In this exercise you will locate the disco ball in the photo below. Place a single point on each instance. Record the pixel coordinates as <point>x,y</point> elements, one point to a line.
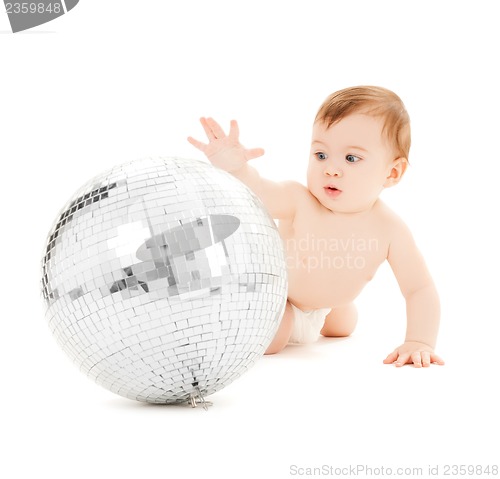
<point>164,279</point>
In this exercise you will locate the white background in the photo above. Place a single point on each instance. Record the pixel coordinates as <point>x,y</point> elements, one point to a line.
<point>117,80</point>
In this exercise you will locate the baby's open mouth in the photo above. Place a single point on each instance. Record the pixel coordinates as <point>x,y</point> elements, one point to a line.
<point>332,191</point>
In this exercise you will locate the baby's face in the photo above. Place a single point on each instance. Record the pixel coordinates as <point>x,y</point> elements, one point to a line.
<point>349,164</point>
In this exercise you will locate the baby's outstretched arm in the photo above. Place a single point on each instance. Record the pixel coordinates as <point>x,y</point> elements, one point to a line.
<point>422,301</point>
<point>227,153</point>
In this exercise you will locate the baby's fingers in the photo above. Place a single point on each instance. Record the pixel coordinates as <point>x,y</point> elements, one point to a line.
<point>253,153</point>
<point>397,357</point>
<point>391,357</point>
<point>213,130</point>
<point>234,130</point>
<point>197,144</point>
<point>436,359</point>
<point>417,359</point>
<point>402,359</point>
<point>426,359</point>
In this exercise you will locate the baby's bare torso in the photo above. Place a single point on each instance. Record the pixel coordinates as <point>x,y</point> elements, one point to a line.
<point>331,257</point>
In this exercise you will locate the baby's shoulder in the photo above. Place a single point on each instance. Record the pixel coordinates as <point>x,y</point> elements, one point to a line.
<point>387,218</point>
<point>296,188</point>
<point>299,193</point>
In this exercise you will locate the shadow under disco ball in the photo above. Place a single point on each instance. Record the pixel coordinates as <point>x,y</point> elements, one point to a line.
<point>164,279</point>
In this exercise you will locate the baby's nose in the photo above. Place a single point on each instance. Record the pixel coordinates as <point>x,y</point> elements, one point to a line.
<point>331,169</point>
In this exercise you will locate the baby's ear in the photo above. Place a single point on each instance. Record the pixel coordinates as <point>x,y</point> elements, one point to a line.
<point>396,171</point>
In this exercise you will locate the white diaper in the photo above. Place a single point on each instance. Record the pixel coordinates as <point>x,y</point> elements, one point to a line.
<point>307,324</point>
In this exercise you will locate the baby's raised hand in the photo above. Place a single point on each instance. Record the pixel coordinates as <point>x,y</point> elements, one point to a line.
<point>224,151</point>
<point>414,352</point>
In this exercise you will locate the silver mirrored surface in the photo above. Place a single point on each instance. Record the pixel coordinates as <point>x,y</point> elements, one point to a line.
<point>164,279</point>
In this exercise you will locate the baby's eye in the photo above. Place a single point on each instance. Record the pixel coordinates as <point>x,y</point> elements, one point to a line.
<point>320,155</point>
<point>352,158</point>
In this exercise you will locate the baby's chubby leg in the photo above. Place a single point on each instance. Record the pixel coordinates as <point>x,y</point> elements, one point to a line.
<point>284,332</point>
<point>340,322</point>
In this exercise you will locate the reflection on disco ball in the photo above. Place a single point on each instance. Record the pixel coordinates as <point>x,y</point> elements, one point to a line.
<point>164,279</point>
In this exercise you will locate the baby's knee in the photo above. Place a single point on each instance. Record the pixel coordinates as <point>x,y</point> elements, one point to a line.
<point>336,332</point>
<point>341,322</point>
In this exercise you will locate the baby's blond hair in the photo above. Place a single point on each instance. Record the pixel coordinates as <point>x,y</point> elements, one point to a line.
<point>371,100</point>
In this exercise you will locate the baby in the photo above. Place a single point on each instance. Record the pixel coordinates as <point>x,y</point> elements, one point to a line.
<point>337,232</point>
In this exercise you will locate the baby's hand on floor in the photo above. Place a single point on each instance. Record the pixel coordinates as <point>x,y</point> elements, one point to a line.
<point>414,352</point>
